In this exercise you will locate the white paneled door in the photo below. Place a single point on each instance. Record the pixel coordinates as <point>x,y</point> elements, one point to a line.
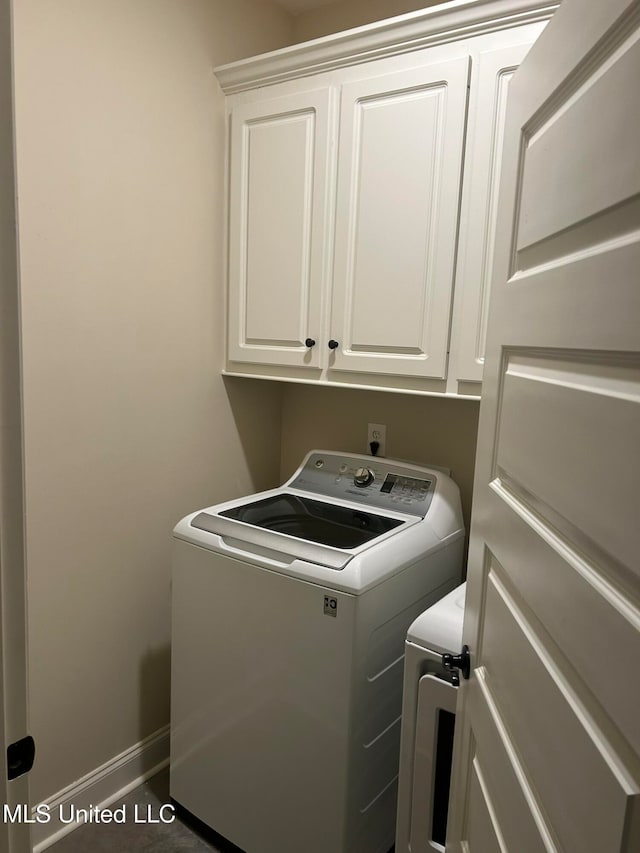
<point>548,739</point>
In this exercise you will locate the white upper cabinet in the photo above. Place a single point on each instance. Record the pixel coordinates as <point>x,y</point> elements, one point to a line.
<point>492,72</point>
<point>399,158</point>
<point>363,172</point>
<point>278,187</point>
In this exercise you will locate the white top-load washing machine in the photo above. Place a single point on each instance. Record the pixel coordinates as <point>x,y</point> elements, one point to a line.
<point>290,610</point>
<point>428,723</point>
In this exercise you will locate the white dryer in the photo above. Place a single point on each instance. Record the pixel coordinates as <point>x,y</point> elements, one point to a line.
<point>290,610</point>
<point>428,722</point>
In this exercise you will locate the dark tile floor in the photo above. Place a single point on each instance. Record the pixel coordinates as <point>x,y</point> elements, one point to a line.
<point>184,835</point>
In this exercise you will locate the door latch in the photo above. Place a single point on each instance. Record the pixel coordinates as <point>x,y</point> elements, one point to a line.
<point>20,757</point>
<point>460,662</point>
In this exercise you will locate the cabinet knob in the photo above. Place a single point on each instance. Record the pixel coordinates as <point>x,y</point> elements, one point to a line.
<point>333,344</point>
<point>309,343</point>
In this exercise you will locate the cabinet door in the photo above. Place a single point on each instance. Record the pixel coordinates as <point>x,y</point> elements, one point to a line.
<point>400,158</point>
<point>483,160</point>
<point>277,246</point>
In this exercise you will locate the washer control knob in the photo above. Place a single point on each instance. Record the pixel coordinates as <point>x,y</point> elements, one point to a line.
<point>363,477</point>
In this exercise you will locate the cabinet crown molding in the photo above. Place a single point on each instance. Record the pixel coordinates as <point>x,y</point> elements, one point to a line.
<point>447,22</point>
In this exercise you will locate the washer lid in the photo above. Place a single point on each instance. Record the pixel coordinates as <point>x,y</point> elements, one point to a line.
<point>282,523</point>
<point>440,627</point>
<point>314,521</point>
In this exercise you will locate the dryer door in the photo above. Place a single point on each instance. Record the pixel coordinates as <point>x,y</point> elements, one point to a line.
<point>435,720</point>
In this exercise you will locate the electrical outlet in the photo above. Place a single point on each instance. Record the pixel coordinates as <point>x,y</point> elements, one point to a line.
<point>377,432</point>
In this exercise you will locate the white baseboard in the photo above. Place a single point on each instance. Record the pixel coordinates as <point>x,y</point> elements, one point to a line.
<point>103,786</point>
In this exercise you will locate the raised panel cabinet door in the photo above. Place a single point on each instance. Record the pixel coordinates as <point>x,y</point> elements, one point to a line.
<point>400,158</point>
<point>483,155</point>
<point>277,222</point>
<point>547,749</point>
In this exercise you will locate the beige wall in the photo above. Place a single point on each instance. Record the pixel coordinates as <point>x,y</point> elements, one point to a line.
<point>345,14</point>
<point>423,429</point>
<point>128,424</point>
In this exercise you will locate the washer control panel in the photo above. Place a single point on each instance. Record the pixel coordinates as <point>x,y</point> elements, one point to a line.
<point>380,483</point>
